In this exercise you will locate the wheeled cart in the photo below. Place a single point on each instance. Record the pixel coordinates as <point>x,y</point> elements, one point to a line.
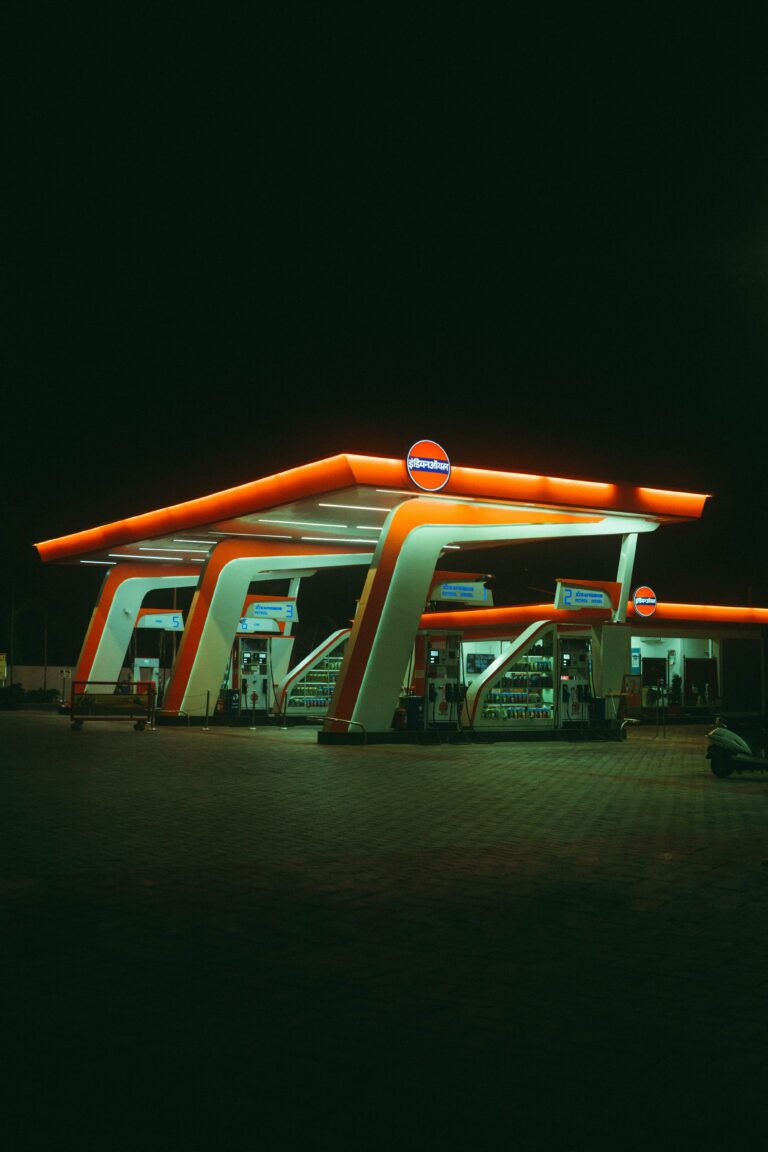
<point>106,700</point>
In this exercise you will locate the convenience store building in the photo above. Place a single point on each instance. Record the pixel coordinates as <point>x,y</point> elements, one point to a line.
<point>537,669</point>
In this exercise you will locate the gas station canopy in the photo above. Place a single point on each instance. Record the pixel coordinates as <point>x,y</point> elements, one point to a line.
<point>344,500</point>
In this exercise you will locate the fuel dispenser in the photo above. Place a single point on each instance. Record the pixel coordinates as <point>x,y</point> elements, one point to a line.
<point>146,671</point>
<point>445,691</point>
<point>262,650</point>
<point>262,663</point>
<point>575,680</point>
<point>256,673</point>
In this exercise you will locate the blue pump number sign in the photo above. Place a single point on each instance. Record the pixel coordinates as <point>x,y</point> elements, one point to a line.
<point>573,597</point>
<point>166,621</point>
<point>273,610</point>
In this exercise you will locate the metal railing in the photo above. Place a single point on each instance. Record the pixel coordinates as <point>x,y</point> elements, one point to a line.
<point>343,720</point>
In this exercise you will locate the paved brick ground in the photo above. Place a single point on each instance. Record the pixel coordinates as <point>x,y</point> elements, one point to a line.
<point>234,938</point>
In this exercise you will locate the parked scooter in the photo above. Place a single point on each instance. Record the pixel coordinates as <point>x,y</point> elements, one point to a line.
<point>728,753</point>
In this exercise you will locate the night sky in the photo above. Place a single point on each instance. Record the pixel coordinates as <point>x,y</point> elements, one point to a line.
<point>239,243</point>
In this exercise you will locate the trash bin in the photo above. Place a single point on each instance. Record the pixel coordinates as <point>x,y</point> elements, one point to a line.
<point>597,711</point>
<point>414,713</point>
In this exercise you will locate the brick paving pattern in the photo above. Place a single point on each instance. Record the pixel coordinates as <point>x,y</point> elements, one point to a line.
<point>241,938</point>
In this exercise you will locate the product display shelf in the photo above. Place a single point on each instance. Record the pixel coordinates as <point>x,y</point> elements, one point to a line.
<point>522,694</point>
<point>308,689</point>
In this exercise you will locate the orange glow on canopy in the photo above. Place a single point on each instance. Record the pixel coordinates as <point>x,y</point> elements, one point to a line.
<point>349,470</point>
<point>510,620</point>
<point>703,613</point>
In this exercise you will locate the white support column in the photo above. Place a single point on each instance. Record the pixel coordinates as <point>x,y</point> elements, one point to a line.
<point>281,648</point>
<point>624,574</point>
<point>610,657</point>
<point>121,619</point>
<point>220,624</point>
<point>382,678</point>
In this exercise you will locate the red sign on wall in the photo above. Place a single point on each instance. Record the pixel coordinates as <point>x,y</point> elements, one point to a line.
<point>644,600</point>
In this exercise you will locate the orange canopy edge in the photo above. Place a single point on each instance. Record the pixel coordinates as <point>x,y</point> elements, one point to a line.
<point>346,470</point>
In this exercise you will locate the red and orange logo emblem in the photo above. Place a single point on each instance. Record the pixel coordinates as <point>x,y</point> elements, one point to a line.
<point>428,465</point>
<point>644,600</point>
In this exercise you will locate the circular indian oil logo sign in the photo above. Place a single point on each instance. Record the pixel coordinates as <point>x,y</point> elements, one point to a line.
<point>644,600</point>
<point>428,465</point>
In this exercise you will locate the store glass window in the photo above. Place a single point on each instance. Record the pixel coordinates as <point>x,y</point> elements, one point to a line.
<point>523,694</point>
<point>311,693</point>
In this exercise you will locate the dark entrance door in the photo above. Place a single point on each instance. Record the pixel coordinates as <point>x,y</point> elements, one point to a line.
<point>699,682</point>
<point>742,674</point>
<point>654,671</point>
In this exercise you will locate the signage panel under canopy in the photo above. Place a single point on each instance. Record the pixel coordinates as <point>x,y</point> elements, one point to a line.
<point>273,610</point>
<point>463,592</point>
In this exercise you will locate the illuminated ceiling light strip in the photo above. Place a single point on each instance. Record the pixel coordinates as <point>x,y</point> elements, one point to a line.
<point>109,563</point>
<point>368,527</point>
<point>455,547</point>
<point>356,507</point>
<point>162,548</point>
<point>339,539</point>
<point>429,496</point>
<point>183,540</point>
<point>303,523</point>
<point>259,535</point>
<point>138,556</point>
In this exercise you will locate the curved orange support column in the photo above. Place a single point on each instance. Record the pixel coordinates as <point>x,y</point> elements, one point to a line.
<point>105,621</point>
<point>217,605</point>
<point>420,528</point>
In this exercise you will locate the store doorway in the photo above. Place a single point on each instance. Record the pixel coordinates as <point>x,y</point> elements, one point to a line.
<point>699,682</point>
<point>654,672</point>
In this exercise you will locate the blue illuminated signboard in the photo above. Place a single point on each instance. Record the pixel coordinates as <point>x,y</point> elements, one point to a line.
<point>573,597</point>
<point>249,625</point>
<point>465,591</point>
<point>273,610</point>
<point>167,621</point>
